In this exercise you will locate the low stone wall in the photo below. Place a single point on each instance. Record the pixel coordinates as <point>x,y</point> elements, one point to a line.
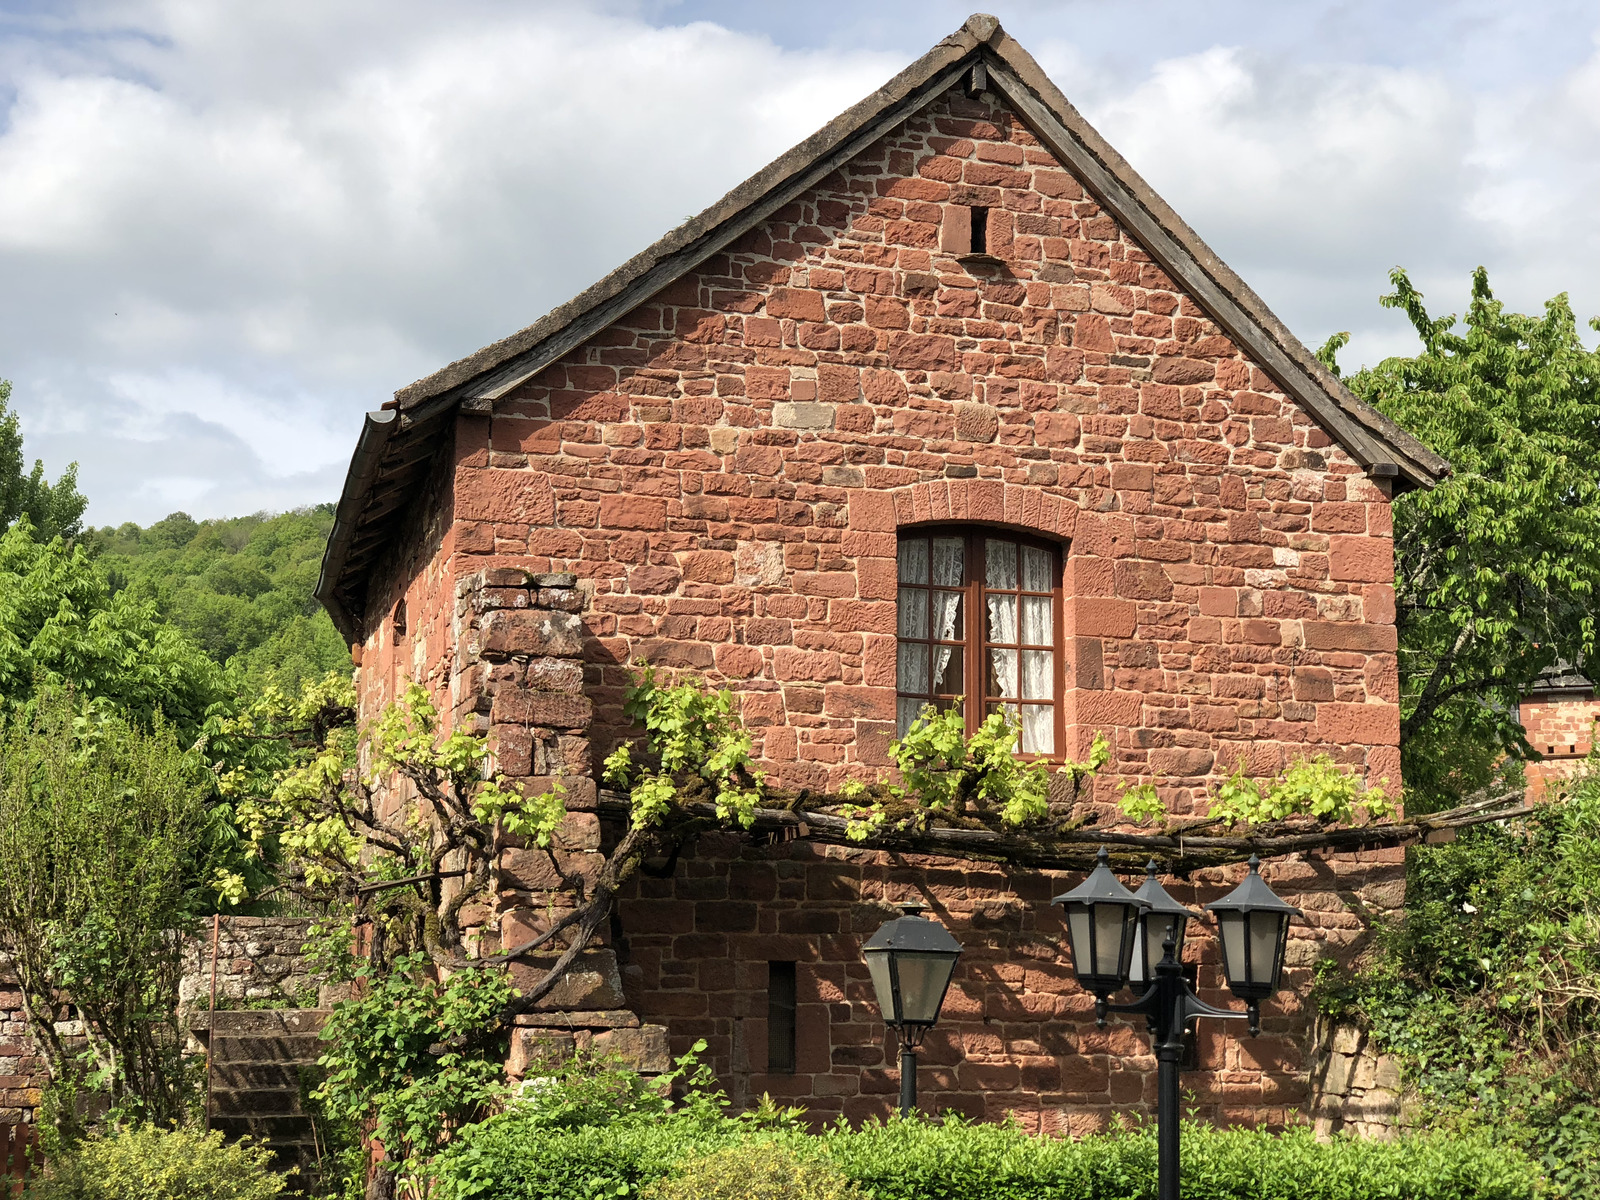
<point>20,1067</point>
<point>1354,1087</point>
<point>260,963</point>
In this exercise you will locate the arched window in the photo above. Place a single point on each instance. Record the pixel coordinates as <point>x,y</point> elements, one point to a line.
<point>980,626</point>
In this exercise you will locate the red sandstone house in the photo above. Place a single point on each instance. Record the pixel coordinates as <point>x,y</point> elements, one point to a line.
<point>944,402</point>
<point>1558,718</point>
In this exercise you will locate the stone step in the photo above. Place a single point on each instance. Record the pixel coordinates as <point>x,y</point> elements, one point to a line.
<point>279,1130</point>
<point>275,1102</point>
<point>305,1049</point>
<point>266,1022</point>
<point>245,1076</point>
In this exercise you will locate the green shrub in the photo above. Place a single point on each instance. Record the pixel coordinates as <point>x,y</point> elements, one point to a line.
<point>147,1163</point>
<point>1483,988</point>
<point>754,1171</point>
<point>587,1134</point>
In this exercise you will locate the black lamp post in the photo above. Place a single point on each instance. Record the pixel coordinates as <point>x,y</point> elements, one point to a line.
<point>1254,927</point>
<point>911,960</point>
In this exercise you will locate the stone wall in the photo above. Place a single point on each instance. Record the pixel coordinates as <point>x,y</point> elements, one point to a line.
<point>261,962</point>
<point>1354,1088</point>
<point>1017,1034</point>
<point>1560,725</point>
<point>21,1071</point>
<point>716,483</point>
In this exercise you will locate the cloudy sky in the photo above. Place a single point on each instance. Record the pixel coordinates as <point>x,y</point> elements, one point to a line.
<point>229,228</point>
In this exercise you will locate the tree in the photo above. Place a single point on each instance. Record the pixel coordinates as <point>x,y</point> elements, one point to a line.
<point>60,625</point>
<point>1496,568</point>
<point>101,867</point>
<point>53,509</point>
<point>240,588</point>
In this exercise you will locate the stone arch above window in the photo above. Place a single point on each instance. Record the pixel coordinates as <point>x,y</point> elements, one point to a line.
<point>979,627</point>
<point>988,501</point>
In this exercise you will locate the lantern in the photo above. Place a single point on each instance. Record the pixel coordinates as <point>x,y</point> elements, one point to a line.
<point>911,960</point>
<point>1162,918</point>
<point>1253,923</point>
<point>1101,925</point>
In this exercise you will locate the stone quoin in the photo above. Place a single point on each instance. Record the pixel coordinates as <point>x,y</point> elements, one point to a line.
<point>944,401</point>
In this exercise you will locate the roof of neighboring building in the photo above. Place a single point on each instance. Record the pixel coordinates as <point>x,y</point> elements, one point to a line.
<point>397,442</point>
<point>1563,677</point>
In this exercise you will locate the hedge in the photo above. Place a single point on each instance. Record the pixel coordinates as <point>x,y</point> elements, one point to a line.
<point>518,1157</point>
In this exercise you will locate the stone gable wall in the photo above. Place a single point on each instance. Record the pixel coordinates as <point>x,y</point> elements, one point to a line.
<point>725,469</point>
<point>715,484</point>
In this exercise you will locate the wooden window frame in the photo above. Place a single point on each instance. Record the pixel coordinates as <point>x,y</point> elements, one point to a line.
<point>974,641</point>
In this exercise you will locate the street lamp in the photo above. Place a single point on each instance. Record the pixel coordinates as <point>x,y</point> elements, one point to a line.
<point>1162,918</point>
<point>911,960</point>
<point>1254,927</point>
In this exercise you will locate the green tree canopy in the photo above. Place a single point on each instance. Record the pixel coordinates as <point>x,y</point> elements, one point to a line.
<point>239,588</point>
<point>1497,566</point>
<point>54,509</point>
<point>61,625</point>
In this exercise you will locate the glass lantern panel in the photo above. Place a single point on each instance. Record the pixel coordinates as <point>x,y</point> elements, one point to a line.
<point>1108,925</point>
<point>1232,929</point>
<point>1264,928</point>
<point>878,968</point>
<point>1152,953</point>
<point>1078,934</point>
<point>922,982</point>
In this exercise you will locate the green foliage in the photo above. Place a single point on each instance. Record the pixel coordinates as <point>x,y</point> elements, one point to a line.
<point>419,1056</point>
<point>1485,989</point>
<point>61,626</point>
<point>767,1170</point>
<point>1141,802</point>
<point>620,1152</point>
<point>101,861</point>
<point>695,745</point>
<point>52,509</point>
<point>147,1163</point>
<point>1497,566</point>
<point>948,774</point>
<point>1314,787</point>
<point>239,588</point>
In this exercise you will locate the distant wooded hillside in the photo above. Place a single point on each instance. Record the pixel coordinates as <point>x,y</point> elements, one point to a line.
<point>239,587</point>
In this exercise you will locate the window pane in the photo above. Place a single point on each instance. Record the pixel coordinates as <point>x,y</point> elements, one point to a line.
<point>1038,569</point>
<point>1002,619</point>
<point>949,679</point>
<point>913,606</point>
<point>949,561</point>
<point>1038,729</point>
<point>1009,709</point>
<point>947,617</point>
<point>914,561</point>
<point>1000,563</point>
<point>913,671</point>
<point>906,711</point>
<point>1038,675</point>
<point>1003,673</point>
<point>1036,621</point>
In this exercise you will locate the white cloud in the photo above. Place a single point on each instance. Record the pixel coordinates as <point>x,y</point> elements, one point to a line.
<point>226,230</point>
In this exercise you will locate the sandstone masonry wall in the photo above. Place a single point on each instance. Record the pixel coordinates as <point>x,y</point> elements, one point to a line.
<point>1560,725</point>
<point>726,468</point>
<point>716,483</point>
<point>1016,1035</point>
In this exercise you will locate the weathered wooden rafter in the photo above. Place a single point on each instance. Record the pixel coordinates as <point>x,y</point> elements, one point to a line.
<point>1179,846</point>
